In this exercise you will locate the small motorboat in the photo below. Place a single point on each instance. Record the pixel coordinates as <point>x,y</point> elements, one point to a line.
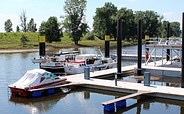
<point>94,61</point>
<point>40,60</point>
<point>35,80</point>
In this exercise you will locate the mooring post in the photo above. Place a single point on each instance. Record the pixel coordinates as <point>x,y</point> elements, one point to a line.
<point>168,35</point>
<point>86,73</point>
<point>107,40</point>
<point>119,47</point>
<point>182,66</point>
<point>116,80</point>
<point>139,69</point>
<point>146,79</point>
<point>42,46</point>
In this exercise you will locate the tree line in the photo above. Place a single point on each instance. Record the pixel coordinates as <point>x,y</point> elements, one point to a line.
<point>105,22</point>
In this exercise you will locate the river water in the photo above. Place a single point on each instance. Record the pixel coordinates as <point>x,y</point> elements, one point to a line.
<point>78,101</point>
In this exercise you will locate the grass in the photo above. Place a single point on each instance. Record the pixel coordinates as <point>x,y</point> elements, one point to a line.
<point>12,41</point>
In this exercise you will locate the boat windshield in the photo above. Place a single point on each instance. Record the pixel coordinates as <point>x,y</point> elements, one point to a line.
<point>49,75</point>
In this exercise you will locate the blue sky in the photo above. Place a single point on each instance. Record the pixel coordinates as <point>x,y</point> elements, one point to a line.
<point>41,10</point>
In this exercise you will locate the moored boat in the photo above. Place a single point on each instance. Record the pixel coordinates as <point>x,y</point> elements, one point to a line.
<point>93,61</point>
<point>35,79</point>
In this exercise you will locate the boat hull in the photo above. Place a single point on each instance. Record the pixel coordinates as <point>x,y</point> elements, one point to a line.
<point>28,92</point>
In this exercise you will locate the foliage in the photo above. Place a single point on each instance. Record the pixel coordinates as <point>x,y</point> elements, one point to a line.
<point>17,29</point>
<point>23,20</point>
<point>74,20</point>
<point>128,23</point>
<point>12,40</point>
<point>31,26</point>
<point>150,22</point>
<point>51,29</point>
<point>106,18</point>
<point>105,21</point>
<point>175,29</point>
<point>23,40</point>
<point>8,26</point>
<point>90,36</point>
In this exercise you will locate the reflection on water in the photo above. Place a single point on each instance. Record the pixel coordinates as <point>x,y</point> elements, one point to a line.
<point>88,101</point>
<point>40,104</point>
<point>79,101</point>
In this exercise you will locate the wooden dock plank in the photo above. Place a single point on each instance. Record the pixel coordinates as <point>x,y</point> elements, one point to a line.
<point>126,97</point>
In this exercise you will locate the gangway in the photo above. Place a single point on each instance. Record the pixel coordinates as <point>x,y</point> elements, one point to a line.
<point>154,47</point>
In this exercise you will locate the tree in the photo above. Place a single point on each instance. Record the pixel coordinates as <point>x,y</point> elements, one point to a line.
<point>150,21</point>
<point>23,20</point>
<point>31,26</point>
<point>8,26</point>
<point>74,19</point>
<point>105,21</point>
<point>23,40</point>
<point>128,23</point>
<point>51,29</point>
<point>17,29</point>
<point>175,29</point>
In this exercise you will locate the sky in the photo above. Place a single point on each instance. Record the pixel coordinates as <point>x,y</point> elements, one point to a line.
<point>41,10</point>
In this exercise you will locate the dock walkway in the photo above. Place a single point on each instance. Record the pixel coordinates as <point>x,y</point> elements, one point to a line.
<point>127,87</point>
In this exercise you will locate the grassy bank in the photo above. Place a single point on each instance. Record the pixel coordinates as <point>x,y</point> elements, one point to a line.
<point>13,41</point>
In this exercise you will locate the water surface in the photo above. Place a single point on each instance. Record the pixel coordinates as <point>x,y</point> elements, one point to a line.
<point>79,101</point>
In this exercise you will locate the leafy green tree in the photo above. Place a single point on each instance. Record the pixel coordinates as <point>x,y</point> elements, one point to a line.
<point>150,21</point>
<point>23,40</point>
<point>17,29</point>
<point>23,20</point>
<point>51,29</point>
<point>8,26</point>
<point>105,21</point>
<point>74,20</point>
<point>128,23</point>
<point>175,29</point>
<point>31,26</point>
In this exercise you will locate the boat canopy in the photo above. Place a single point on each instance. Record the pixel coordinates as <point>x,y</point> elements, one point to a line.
<point>31,78</point>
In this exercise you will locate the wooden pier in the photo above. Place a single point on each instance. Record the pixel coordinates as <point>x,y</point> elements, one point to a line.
<point>127,87</point>
<point>126,97</point>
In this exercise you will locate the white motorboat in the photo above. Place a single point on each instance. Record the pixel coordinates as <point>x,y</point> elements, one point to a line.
<point>94,61</point>
<point>35,79</point>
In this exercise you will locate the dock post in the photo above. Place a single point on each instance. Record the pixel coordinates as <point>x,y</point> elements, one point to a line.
<point>119,47</point>
<point>116,80</point>
<point>87,73</point>
<point>182,66</point>
<point>42,46</point>
<point>107,40</point>
<point>139,69</point>
<point>146,78</point>
<point>168,35</point>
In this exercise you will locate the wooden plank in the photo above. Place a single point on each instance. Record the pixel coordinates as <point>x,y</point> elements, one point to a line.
<point>58,86</point>
<point>126,97</point>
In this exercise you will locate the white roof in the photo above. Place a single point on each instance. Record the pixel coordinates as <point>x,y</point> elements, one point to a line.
<point>41,71</point>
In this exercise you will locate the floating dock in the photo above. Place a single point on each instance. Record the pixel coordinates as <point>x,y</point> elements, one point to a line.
<point>128,87</point>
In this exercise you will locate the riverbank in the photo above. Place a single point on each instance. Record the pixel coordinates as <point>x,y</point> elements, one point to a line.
<point>2,51</point>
